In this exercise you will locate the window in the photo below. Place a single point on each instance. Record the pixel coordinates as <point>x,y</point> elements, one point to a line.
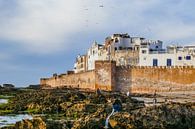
<point>188,57</point>
<point>143,51</point>
<point>155,62</point>
<point>179,58</point>
<point>116,40</point>
<point>169,62</point>
<point>156,46</point>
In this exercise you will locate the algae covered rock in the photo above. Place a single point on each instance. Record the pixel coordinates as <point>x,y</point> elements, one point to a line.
<point>178,116</point>
<point>73,109</point>
<point>36,123</point>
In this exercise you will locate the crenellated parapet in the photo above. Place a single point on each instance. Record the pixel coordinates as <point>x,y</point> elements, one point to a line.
<point>136,79</point>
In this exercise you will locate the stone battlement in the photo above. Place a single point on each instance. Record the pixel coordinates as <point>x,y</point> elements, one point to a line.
<point>136,79</point>
<point>155,67</point>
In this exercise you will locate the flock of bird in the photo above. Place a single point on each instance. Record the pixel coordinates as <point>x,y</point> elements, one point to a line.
<point>87,9</point>
<point>101,5</point>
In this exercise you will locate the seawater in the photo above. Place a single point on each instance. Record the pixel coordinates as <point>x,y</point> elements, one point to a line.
<point>12,119</point>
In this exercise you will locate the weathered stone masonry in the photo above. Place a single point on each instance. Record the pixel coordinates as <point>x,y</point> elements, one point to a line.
<point>105,75</point>
<point>79,80</point>
<point>155,79</point>
<point>108,76</point>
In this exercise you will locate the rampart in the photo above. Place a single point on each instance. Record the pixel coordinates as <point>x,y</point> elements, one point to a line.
<point>155,79</point>
<point>108,76</point>
<point>102,77</point>
<point>78,80</point>
<point>105,75</point>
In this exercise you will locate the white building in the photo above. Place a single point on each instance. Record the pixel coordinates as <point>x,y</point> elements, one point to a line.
<point>135,51</point>
<point>121,48</point>
<point>173,56</point>
<point>94,54</point>
<point>121,41</point>
<point>80,64</point>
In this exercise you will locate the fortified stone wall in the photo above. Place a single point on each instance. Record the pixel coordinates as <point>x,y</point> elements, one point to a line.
<point>105,75</point>
<point>155,79</point>
<point>108,76</point>
<point>84,80</point>
<point>123,78</point>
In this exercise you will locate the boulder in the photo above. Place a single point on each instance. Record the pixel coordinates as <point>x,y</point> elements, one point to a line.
<point>36,123</point>
<point>178,116</point>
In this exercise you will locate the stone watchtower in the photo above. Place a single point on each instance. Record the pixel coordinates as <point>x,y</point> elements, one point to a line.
<point>105,75</point>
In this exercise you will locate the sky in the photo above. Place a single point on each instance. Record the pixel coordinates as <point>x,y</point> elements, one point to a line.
<point>42,37</point>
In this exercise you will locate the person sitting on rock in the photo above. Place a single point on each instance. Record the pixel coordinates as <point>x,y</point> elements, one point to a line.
<point>98,92</point>
<point>117,105</point>
<point>155,99</point>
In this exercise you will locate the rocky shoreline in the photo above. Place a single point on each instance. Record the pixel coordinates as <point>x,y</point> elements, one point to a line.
<point>74,109</point>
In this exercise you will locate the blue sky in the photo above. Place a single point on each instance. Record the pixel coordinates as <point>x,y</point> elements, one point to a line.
<point>42,37</point>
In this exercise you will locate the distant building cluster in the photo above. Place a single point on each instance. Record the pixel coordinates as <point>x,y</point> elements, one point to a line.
<point>130,64</point>
<point>7,86</point>
<point>135,51</point>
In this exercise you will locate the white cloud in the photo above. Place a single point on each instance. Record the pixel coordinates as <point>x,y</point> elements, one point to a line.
<point>46,26</point>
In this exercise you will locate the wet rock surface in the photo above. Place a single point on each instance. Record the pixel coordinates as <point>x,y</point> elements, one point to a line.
<point>36,123</point>
<point>74,109</point>
<point>166,116</point>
